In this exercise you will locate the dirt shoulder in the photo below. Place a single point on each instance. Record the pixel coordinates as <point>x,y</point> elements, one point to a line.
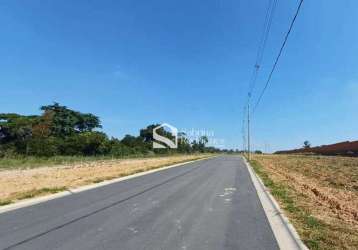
<point>27,183</point>
<point>319,195</point>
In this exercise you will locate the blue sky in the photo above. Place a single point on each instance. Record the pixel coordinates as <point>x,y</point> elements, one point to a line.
<point>187,63</point>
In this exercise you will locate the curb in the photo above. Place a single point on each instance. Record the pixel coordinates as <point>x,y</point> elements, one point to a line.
<point>71,191</point>
<point>286,235</point>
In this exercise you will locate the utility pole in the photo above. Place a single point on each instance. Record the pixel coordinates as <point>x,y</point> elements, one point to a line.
<point>248,131</point>
<point>244,132</point>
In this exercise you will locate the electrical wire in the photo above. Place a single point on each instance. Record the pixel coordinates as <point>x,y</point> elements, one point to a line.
<point>262,44</point>
<point>278,56</point>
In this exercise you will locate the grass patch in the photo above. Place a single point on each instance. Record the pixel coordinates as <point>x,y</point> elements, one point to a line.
<point>5,202</point>
<point>98,180</point>
<point>312,231</point>
<point>39,192</point>
<point>31,194</point>
<point>29,162</point>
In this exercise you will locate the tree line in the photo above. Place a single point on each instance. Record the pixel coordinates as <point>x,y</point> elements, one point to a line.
<point>59,130</point>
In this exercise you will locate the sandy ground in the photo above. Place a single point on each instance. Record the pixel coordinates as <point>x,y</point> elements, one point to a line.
<point>19,184</point>
<point>327,187</point>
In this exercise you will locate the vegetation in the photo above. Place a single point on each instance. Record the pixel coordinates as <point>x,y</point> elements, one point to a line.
<point>346,148</point>
<point>306,144</point>
<point>78,152</point>
<point>60,131</point>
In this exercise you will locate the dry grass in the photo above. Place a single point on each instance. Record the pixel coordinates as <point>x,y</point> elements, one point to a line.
<point>319,195</point>
<point>27,183</point>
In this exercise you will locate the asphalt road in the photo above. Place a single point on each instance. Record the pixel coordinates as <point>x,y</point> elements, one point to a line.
<point>209,204</point>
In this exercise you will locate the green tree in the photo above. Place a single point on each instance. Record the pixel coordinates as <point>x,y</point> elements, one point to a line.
<point>16,130</point>
<point>43,146</point>
<point>66,122</point>
<point>306,144</point>
<point>147,133</point>
<point>183,143</point>
<point>203,140</point>
<point>87,143</point>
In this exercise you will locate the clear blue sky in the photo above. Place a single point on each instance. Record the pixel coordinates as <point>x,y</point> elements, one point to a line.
<point>185,62</point>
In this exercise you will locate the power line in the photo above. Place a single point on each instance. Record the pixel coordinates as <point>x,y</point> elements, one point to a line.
<point>259,56</point>
<point>279,55</point>
<point>262,44</point>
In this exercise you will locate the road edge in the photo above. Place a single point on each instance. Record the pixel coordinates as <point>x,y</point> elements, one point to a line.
<point>285,234</point>
<point>37,200</point>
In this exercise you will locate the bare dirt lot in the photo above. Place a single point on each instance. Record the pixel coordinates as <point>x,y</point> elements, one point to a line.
<point>27,183</point>
<point>320,196</point>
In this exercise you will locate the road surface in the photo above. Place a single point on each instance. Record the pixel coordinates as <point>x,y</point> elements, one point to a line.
<point>209,204</point>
